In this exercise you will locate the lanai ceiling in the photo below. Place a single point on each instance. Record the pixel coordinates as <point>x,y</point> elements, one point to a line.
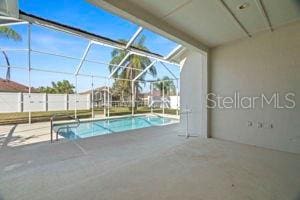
<point>206,23</point>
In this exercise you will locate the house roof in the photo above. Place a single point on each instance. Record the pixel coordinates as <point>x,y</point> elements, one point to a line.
<point>154,93</point>
<point>12,86</point>
<point>103,88</point>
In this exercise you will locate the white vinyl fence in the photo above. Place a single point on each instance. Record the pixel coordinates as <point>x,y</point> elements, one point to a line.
<point>21,102</point>
<point>169,102</point>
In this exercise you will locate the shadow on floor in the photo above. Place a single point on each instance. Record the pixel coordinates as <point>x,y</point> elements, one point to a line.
<point>5,140</point>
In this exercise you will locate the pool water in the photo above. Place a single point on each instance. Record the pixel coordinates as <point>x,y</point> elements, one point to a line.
<point>108,126</point>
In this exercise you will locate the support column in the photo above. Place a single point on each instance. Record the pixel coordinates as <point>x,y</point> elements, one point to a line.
<point>193,92</point>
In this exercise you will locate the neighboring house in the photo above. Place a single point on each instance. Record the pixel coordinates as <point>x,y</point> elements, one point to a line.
<point>99,95</point>
<point>145,98</point>
<point>12,86</point>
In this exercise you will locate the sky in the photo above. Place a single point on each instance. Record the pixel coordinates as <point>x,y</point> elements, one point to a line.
<point>82,15</point>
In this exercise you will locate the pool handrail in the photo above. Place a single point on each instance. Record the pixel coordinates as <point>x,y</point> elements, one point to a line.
<point>52,118</point>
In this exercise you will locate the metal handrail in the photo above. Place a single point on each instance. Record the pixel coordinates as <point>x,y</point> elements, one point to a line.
<point>51,124</point>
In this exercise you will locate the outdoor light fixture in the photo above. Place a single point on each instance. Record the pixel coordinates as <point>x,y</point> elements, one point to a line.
<point>243,6</point>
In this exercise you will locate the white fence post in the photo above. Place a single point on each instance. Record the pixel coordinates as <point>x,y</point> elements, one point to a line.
<point>46,102</point>
<point>66,102</point>
<point>20,102</point>
<point>88,102</point>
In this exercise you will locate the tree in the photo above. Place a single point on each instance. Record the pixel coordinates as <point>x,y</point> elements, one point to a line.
<point>120,90</point>
<point>133,66</point>
<point>9,33</point>
<point>60,87</point>
<point>165,85</point>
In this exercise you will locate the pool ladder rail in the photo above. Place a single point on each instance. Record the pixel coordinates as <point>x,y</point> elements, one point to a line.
<point>52,118</point>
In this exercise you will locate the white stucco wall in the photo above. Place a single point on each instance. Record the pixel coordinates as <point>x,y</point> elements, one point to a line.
<point>193,90</point>
<point>266,63</point>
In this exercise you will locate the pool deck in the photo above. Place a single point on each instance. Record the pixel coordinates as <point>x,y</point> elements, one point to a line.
<point>24,134</point>
<point>150,163</point>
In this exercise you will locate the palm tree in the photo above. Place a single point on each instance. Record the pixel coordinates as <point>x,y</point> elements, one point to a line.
<point>64,87</point>
<point>60,87</point>
<point>165,85</point>
<point>10,34</point>
<point>133,66</point>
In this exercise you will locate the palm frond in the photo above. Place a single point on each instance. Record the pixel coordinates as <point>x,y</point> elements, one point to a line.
<point>9,33</point>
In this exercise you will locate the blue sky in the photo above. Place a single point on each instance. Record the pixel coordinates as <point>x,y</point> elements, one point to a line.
<point>80,14</point>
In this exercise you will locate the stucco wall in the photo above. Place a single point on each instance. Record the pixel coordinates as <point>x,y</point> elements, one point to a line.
<point>193,89</point>
<point>266,63</point>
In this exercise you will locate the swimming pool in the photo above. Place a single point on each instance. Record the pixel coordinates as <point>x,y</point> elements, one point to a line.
<point>108,126</point>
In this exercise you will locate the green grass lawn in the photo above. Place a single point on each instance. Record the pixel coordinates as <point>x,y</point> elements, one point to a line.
<point>19,118</point>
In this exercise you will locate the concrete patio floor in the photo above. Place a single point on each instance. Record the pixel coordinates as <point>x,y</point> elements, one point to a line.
<point>152,163</point>
<point>24,134</point>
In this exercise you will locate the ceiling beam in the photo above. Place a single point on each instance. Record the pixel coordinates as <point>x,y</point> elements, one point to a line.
<point>234,18</point>
<point>264,13</point>
<point>144,18</point>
